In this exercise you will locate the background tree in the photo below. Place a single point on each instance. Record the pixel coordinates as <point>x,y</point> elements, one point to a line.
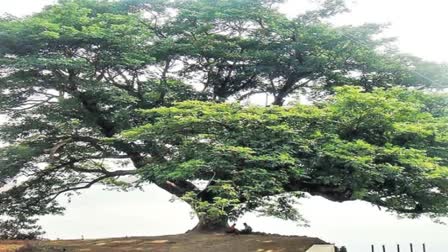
<point>77,74</point>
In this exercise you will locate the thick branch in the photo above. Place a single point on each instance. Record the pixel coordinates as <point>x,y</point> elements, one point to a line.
<point>288,87</point>
<point>332,193</point>
<point>178,188</point>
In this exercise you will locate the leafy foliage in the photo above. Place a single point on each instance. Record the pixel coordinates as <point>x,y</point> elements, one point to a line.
<point>20,229</point>
<point>387,147</point>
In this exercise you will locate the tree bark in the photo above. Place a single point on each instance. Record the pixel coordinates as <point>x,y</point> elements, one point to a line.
<point>279,100</point>
<point>333,193</point>
<point>206,226</point>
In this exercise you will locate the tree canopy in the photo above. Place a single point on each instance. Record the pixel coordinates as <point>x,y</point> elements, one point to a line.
<point>88,82</point>
<point>387,147</point>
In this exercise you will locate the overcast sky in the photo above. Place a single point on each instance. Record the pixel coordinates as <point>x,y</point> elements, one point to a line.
<point>419,25</point>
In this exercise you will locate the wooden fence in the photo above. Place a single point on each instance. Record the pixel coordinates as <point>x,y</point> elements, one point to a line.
<point>411,248</point>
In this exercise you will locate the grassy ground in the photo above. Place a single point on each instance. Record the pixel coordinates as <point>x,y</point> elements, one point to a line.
<point>174,243</point>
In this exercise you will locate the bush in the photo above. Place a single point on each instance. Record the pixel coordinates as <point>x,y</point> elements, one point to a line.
<point>20,228</point>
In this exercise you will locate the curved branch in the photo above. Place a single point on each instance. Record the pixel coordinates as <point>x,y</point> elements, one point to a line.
<point>88,185</point>
<point>333,193</point>
<point>178,188</point>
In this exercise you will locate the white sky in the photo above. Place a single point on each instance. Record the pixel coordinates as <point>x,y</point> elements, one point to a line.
<point>419,25</point>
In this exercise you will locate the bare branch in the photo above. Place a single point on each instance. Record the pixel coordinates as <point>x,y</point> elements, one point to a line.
<point>55,195</point>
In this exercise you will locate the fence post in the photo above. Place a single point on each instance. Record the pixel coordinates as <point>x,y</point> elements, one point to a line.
<point>424,247</point>
<point>384,248</point>
<point>412,248</point>
<point>398,247</point>
<point>373,248</point>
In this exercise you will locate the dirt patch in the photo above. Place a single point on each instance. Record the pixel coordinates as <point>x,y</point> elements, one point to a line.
<point>180,243</point>
<point>9,247</point>
<point>12,246</point>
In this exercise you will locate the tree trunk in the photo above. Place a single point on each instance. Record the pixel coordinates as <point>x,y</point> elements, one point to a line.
<point>206,226</point>
<point>279,100</point>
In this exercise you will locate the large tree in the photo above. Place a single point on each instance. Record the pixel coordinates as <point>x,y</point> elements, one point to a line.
<point>77,74</point>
